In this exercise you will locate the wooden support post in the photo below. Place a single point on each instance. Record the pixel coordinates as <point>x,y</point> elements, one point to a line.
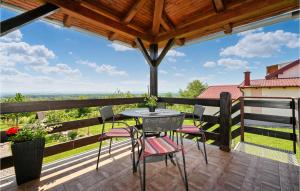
<point>242,119</point>
<point>154,60</point>
<point>14,23</point>
<point>153,69</point>
<point>298,122</point>
<point>225,121</point>
<point>294,124</point>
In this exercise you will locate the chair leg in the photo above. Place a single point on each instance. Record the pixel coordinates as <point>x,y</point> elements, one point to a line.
<point>133,155</point>
<point>198,144</point>
<point>109,145</point>
<point>177,138</point>
<point>144,174</point>
<point>166,160</point>
<point>185,174</point>
<point>99,155</point>
<point>204,140</point>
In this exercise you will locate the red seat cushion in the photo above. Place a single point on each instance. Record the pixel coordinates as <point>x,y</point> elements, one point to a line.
<point>115,132</point>
<point>189,129</point>
<point>160,146</point>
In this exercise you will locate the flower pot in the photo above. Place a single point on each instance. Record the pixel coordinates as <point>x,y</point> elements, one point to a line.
<point>151,109</point>
<point>28,159</point>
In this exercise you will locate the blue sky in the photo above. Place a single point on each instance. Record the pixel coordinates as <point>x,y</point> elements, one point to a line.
<point>44,58</point>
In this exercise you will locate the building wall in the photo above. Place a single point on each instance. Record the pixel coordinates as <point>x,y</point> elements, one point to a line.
<point>272,92</point>
<point>293,72</point>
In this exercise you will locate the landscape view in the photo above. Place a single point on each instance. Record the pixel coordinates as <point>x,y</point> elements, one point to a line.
<point>48,66</point>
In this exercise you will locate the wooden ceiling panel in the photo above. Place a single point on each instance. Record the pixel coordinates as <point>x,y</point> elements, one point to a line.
<point>185,20</point>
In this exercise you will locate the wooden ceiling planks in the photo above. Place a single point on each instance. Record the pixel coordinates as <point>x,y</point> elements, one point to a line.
<point>156,21</point>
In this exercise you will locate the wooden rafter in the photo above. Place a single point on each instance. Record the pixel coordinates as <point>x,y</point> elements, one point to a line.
<point>14,23</point>
<point>244,12</point>
<point>166,22</point>
<point>158,9</point>
<point>228,28</point>
<point>67,21</point>
<point>129,16</point>
<point>75,9</point>
<point>133,11</point>
<point>219,5</point>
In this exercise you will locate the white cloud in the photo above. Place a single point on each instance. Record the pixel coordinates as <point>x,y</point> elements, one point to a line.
<point>14,52</point>
<point>58,69</point>
<point>175,53</point>
<point>104,68</point>
<point>178,74</point>
<point>262,44</point>
<point>120,47</point>
<point>14,36</point>
<point>209,64</point>
<point>162,72</point>
<point>171,59</point>
<point>232,64</point>
<point>70,52</point>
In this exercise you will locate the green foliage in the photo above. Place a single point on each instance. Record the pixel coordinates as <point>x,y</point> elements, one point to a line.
<point>151,101</point>
<point>193,89</point>
<point>72,135</point>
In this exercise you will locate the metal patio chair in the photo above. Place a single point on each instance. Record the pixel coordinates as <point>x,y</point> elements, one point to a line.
<point>160,145</point>
<point>108,116</point>
<point>196,128</point>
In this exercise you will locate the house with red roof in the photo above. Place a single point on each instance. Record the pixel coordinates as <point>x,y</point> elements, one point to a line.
<point>281,80</point>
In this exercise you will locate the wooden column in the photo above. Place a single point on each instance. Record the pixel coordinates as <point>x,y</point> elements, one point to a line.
<point>16,22</point>
<point>154,60</point>
<point>242,119</point>
<point>225,121</point>
<point>153,69</point>
<point>298,121</point>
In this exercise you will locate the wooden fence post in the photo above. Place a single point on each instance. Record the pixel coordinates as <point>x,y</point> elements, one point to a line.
<point>242,110</point>
<point>225,121</point>
<point>298,121</point>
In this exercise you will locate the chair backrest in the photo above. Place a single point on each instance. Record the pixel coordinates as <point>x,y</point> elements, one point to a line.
<point>199,111</point>
<point>163,124</point>
<point>106,112</point>
<point>161,105</point>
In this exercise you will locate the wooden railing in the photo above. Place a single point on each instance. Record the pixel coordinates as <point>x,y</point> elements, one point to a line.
<point>37,106</point>
<point>286,103</point>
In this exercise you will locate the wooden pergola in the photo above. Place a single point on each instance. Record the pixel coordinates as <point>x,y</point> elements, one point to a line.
<point>151,24</point>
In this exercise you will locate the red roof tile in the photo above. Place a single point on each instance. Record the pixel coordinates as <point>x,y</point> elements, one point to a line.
<point>213,92</point>
<point>288,82</point>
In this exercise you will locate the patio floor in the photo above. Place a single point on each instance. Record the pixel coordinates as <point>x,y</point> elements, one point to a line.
<point>225,171</point>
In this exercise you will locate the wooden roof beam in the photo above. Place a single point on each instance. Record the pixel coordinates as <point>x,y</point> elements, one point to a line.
<point>228,28</point>
<point>180,41</point>
<point>166,22</point>
<point>75,9</point>
<point>158,9</point>
<point>67,21</point>
<point>245,12</point>
<point>16,22</point>
<point>133,11</point>
<point>129,16</point>
<point>219,5</point>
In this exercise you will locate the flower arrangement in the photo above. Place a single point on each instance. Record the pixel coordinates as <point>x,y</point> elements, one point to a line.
<point>30,132</point>
<point>151,101</point>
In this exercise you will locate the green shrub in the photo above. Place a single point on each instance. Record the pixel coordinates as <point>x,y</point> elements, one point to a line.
<point>72,134</point>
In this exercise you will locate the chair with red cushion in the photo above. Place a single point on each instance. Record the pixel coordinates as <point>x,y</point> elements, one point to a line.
<point>108,116</point>
<point>196,128</point>
<point>160,146</point>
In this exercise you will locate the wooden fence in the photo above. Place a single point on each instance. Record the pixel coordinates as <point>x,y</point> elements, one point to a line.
<point>224,103</point>
<point>286,103</point>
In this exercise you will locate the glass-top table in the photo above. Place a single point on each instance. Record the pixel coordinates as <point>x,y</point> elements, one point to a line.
<point>144,112</point>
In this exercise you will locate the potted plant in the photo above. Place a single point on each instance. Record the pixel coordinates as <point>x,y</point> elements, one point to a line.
<point>151,102</point>
<point>27,147</point>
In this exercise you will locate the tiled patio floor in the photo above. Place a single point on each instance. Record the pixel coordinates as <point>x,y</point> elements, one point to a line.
<point>225,171</point>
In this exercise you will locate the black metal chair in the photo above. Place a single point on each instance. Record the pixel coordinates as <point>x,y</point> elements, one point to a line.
<point>196,128</point>
<point>108,116</point>
<point>161,145</point>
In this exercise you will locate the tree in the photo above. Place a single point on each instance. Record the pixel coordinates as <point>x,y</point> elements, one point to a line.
<point>15,116</point>
<point>193,89</point>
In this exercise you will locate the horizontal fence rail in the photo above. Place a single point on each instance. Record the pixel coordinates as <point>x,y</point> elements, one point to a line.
<point>286,103</point>
<point>187,101</point>
<point>65,104</point>
<point>36,106</point>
